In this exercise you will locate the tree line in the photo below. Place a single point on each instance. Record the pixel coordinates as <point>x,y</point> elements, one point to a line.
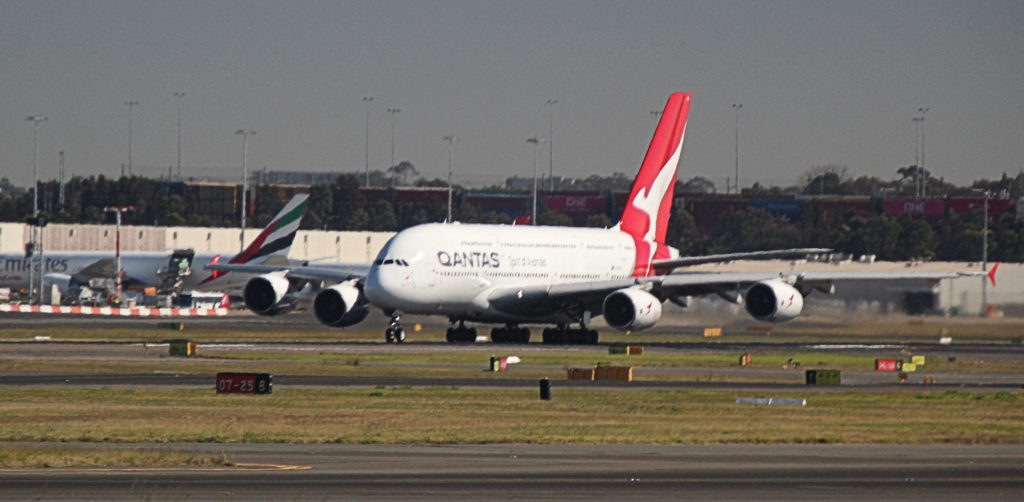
<point>340,205</point>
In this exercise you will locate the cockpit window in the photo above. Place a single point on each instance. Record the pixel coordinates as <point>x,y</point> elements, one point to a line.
<point>391,261</point>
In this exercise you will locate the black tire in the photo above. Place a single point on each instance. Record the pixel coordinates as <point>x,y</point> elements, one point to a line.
<point>400,335</point>
<point>389,335</point>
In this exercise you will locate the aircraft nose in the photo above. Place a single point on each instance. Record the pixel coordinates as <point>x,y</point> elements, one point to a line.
<point>381,287</point>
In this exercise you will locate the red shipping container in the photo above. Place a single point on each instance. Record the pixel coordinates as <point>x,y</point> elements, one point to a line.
<point>584,203</point>
<point>995,206</point>
<point>914,207</point>
<point>833,208</point>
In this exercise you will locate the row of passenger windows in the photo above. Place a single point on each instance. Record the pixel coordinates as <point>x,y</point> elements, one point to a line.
<point>579,276</point>
<point>473,273</point>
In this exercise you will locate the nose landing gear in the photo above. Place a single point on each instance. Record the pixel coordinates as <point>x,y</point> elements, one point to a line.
<point>395,332</point>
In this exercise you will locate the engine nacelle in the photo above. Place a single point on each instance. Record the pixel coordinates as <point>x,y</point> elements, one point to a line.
<point>341,305</point>
<point>631,309</point>
<point>268,294</point>
<point>773,301</point>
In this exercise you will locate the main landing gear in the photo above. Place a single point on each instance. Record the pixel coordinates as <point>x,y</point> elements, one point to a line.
<point>460,333</point>
<point>563,335</point>
<point>513,333</point>
<point>395,331</point>
<point>510,334</point>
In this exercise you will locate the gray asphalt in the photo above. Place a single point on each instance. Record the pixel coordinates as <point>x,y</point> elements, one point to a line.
<point>533,472</point>
<point>543,472</point>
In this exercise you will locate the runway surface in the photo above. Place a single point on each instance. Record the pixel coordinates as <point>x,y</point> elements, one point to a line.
<point>542,472</point>
<point>529,472</point>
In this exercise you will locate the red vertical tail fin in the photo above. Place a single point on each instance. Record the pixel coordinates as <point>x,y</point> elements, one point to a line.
<point>649,206</point>
<point>992,274</point>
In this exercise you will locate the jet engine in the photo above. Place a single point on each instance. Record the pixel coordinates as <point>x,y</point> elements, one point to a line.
<point>268,294</point>
<point>631,309</point>
<point>773,300</point>
<point>341,305</point>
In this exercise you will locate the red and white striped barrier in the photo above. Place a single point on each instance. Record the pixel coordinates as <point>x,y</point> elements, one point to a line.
<point>113,311</point>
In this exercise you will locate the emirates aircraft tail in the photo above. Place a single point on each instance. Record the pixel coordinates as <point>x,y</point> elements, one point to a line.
<point>275,239</point>
<point>649,206</point>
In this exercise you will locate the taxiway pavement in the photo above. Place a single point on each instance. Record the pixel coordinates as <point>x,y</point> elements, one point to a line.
<point>547,472</point>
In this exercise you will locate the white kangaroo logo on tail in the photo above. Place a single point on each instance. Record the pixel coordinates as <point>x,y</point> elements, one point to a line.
<point>645,217</point>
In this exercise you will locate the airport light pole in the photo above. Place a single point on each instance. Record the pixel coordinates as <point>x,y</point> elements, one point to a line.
<point>984,259</point>
<point>130,105</point>
<point>924,175</point>
<point>60,174</point>
<point>736,181</point>
<point>393,112</point>
<point>245,133</point>
<point>367,100</point>
<point>916,156</point>
<point>179,95</point>
<point>551,144</point>
<point>36,119</point>
<point>451,139</point>
<point>535,141</point>
<point>117,247</point>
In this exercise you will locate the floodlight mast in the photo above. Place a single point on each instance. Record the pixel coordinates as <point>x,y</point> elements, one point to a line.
<point>117,247</point>
<point>36,119</point>
<point>245,133</point>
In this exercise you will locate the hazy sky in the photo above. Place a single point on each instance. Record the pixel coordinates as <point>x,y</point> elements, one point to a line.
<point>820,83</point>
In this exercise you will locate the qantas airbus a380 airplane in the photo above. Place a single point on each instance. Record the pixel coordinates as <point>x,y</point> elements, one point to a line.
<point>514,275</point>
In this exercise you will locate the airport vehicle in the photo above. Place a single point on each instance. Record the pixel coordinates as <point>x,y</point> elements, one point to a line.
<point>169,271</point>
<point>513,275</point>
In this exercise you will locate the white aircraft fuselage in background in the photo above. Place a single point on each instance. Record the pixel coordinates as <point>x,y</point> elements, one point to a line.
<point>143,268</point>
<point>140,266</point>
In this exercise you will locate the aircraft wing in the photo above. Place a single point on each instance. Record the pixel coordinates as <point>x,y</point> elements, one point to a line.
<point>685,261</point>
<point>590,295</point>
<point>103,267</point>
<point>334,272</point>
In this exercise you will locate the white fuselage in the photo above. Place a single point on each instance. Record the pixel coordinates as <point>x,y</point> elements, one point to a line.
<point>450,269</point>
<point>139,267</point>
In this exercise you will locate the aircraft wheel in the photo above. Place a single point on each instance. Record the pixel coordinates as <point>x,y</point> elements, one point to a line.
<point>400,335</point>
<point>389,335</point>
